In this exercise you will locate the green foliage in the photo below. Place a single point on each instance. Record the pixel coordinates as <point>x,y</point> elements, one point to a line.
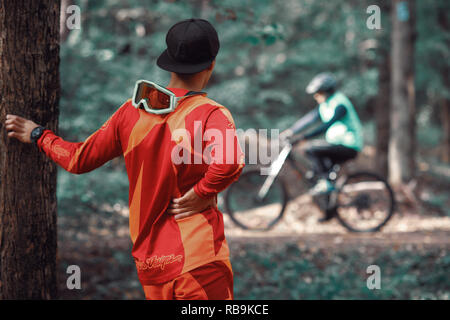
<point>269,52</point>
<point>288,272</point>
<point>432,49</point>
<point>90,192</point>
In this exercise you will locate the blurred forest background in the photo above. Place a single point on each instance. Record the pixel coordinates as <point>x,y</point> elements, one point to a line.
<point>269,52</point>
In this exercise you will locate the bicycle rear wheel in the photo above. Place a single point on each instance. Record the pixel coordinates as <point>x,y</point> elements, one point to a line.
<point>364,202</point>
<point>247,209</point>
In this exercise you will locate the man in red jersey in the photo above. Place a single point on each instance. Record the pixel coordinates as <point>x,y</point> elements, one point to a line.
<point>177,231</point>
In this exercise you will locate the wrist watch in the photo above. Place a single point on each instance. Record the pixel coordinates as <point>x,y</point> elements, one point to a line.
<point>36,134</point>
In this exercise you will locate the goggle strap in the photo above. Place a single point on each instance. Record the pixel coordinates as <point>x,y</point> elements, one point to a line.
<point>192,93</point>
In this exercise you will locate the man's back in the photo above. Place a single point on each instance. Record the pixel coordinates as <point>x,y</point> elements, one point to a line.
<point>348,130</point>
<point>152,145</point>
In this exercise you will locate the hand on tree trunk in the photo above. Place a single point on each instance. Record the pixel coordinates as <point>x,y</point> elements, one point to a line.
<point>19,128</point>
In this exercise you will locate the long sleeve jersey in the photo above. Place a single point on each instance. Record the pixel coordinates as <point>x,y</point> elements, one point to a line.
<point>165,155</point>
<point>314,116</point>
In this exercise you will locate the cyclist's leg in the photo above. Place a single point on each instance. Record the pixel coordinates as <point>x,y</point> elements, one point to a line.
<point>330,154</point>
<point>339,154</point>
<point>325,155</point>
<point>317,151</point>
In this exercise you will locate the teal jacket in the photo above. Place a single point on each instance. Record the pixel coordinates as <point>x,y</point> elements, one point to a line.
<point>346,131</point>
<point>340,122</point>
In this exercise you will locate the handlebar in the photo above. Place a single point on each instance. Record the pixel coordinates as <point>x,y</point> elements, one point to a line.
<point>295,139</point>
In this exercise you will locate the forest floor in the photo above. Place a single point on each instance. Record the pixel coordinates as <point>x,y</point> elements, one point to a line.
<point>297,250</point>
<point>297,259</point>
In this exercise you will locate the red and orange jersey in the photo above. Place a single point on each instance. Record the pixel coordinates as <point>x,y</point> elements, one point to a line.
<point>164,247</point>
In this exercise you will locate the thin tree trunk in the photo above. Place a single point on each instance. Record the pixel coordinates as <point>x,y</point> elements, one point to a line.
<point>446,128</point>
<point>411,89</point>
<point>445,120</point>
<point>29,87</point>
<point>205,9</point>
<point>64,31</point>
<point>383,103</point>
<point>382,110</point>
<point>402,141</point>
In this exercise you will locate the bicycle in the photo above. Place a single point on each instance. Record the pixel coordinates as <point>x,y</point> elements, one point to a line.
<point>362,201</point>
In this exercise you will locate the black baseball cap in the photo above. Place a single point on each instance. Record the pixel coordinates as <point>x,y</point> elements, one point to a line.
<point>192,45</point>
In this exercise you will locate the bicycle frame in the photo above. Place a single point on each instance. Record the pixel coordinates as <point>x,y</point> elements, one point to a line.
<point>275,168</point>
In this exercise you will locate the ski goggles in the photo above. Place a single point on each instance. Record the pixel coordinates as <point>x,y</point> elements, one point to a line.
<point>156,99</point>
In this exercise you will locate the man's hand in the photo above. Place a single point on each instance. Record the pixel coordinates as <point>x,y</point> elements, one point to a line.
<point>189,204</point>
<point>19,128</point>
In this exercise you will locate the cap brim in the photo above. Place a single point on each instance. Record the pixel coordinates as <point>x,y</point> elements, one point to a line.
<point>165,62</point>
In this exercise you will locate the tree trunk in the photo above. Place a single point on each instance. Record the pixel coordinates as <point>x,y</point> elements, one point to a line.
<point>383,103</point>
<point>446,128</point>
<point>29,87</point>
<point>64,31</point>
<point>411,89</point>
<point>382,110</point>
<point>402,139</point>
<point>445,119</point>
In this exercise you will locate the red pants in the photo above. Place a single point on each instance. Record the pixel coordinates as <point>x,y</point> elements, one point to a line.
<point>212,281</point>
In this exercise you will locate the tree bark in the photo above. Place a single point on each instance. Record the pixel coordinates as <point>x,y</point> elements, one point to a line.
<point>411,89</point>
<point>446,128</point>
<point>63,30</point>
<point>382,111</point>
<point>29,87</point>
<point>445,119</point>
<point>402,138</point>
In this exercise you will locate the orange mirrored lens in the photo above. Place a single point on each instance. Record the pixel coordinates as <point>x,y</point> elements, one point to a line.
<point>155,98</point>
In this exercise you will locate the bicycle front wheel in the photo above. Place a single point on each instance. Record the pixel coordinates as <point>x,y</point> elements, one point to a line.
<point>247,209</point>
<point>364,202</point>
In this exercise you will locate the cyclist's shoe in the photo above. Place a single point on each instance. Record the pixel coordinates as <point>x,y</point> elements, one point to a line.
<point>329,214</point>
<point>323,186</point>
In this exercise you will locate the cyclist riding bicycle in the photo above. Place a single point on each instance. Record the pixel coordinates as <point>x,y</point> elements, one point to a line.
<point>340,124</point>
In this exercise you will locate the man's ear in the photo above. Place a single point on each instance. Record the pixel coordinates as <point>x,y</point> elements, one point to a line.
<point>212,65</point>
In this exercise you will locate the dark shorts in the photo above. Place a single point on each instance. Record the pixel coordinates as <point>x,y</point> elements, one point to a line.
<point>325,155</point>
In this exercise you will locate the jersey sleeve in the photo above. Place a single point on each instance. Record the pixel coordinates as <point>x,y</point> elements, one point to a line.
<point>306,121</point>
<point>339,113</point>
<point>80,157</point>
<point>227,158</point>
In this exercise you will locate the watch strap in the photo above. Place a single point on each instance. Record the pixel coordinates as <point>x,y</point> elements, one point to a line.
<point>36,133</point>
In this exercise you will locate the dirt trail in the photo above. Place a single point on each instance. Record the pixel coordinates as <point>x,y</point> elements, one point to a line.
<point>302,226</point>
<point>299,224</point>
<point>350,241</point>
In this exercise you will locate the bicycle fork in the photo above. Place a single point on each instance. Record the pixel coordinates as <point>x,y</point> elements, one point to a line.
<point>273,171</point>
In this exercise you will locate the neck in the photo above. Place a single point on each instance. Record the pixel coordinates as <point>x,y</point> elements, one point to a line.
<point>194,84</point>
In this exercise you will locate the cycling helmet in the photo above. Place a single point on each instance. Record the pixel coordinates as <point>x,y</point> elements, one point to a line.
<point>322,82</point>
